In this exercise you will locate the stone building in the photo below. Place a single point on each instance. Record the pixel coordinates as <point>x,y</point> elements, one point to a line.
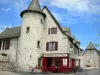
<point>91,57</point>
<point>39,42</point>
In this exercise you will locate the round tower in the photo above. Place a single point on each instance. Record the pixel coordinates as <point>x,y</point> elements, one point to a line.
<point>31,36</point>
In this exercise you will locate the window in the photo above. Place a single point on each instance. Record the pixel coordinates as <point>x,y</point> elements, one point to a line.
<point>27,29</point>
<point>4,54</point>
<point>42,21</point>
<point>57,62</point>
<point>49,31</point>
<point>39,63</point>
<point>6,44</point>
<point>52,30</point>
<point>0,44</point>
<point>38,44</point>
<point>3,44</point>
<point>52,46</point>
<point>88,66</point>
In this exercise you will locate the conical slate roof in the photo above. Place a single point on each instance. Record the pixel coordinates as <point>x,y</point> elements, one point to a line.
<point>90,46</point>
<point>34,5</point>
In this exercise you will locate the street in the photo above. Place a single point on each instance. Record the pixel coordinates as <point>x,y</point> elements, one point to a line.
<point>85,72</point>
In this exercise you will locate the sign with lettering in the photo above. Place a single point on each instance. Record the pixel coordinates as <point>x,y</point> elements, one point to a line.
<point>64,62</point>
<point>56,55</point>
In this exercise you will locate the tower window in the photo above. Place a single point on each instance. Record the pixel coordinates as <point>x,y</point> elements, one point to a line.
<point>38,44</point>
<point>42,21</point>
<point>27,29</point>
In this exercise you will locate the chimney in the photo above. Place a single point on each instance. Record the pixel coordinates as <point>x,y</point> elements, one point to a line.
<point>78,43</point>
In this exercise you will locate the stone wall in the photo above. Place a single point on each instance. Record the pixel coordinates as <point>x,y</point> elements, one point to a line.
<point>29,53</point>
<point>91,58</point>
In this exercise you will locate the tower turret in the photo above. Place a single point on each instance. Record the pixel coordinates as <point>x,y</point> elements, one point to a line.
<point>33,7</point>
<point>31,35</point>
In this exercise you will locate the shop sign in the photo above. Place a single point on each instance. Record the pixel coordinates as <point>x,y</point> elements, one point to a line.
<point>64,62</point>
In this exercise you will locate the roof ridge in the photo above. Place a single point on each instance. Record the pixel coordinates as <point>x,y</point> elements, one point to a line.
<point>90,46</point>
<point>13,27</point>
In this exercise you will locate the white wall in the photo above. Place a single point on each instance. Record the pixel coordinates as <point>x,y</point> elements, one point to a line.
<point>60,37</point>
<point>12,50</point>
<point>91,58</point>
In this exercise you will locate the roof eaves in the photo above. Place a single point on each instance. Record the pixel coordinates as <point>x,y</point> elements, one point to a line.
<point>9,37</point>
<point>91,49</point>
<point>6,31</point>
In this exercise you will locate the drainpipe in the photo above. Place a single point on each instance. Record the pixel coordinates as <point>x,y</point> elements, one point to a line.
<point>78,57</point>
<point>17,53</point>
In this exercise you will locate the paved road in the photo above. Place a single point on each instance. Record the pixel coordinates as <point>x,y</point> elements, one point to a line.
<point>86,72</point>
<point>93,72</point>
<point>89,72</point>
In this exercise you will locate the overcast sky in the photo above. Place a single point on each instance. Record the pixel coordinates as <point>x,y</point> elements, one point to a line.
<point>82,16</point>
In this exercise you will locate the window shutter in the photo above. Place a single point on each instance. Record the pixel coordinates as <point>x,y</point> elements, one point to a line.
<point>3,44</point>
<point>47,46</point>
<point>8,43</point>
<point>49,31</point>
<point>56,46</point>
<point>55,30</point>
<point>0,44</point>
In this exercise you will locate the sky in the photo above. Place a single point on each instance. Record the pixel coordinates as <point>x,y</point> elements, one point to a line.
<point>82,16</point>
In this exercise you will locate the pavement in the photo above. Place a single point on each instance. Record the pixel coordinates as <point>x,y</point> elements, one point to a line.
<point>85,72</point>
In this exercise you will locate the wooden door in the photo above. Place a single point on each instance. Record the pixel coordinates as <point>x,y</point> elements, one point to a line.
<point>73,63</point>
<point>44,63</point>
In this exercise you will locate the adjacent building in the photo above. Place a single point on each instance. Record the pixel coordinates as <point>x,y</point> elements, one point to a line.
<point>91,57</point>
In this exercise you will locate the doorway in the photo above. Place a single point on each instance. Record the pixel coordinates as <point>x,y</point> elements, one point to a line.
<point>57,62</point>
<point>49,62</point>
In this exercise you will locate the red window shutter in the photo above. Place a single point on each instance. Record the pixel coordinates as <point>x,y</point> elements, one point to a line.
<point>56,46</point>
<point>47,46</point>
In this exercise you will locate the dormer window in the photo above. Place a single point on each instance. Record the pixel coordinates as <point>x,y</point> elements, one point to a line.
<point>52,30</point>
<point>27,29</point>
